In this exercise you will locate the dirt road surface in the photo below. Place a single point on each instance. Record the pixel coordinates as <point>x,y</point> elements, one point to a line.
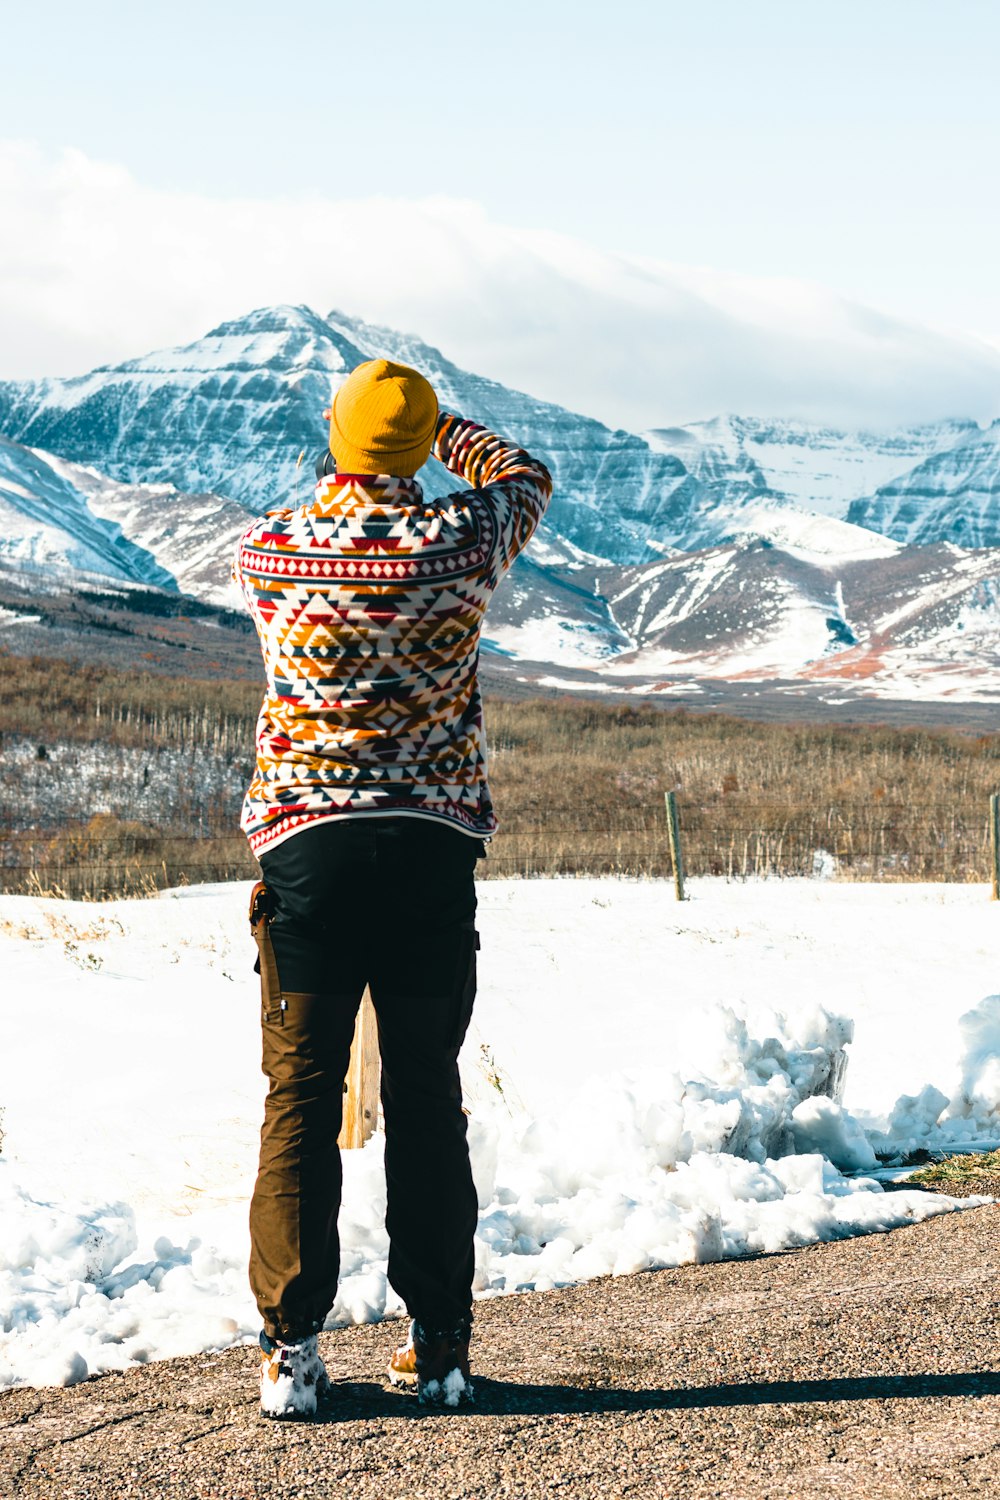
<point>865,1368</point>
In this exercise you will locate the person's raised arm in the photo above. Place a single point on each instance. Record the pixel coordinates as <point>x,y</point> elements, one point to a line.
<point>515,486</point>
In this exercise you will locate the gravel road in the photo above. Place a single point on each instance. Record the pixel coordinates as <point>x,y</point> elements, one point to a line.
<point>866,1368</point>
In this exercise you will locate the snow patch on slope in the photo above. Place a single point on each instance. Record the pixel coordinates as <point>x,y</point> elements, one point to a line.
<point>818,468</point>
<point>192,537</point>
<point>48,526</point>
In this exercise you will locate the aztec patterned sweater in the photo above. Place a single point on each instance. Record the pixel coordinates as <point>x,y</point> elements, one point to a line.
<point>369,603</point>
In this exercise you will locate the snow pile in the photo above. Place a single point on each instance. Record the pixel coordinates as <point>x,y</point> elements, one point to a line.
<point>710,1207</point>
<point>75,1299</point>
<point>668,1171</point>
<point>977,1103</point>
<point>649,1083</point>
<point>929,1121</point>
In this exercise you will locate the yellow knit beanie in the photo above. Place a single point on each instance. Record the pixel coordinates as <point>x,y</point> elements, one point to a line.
<point>383,420</point>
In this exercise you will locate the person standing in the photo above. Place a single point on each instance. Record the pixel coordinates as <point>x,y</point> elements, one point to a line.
<point>368,809</point>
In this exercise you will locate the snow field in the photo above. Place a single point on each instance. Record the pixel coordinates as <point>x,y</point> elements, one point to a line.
<point>650,1083</point>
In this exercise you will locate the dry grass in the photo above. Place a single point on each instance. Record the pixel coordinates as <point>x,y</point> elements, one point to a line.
<point>50,701</point>
<point>976,1173</point>
<point>960,1168</point>
<point>52,924</point>
<point>579,787</point>
<point>105,858</point>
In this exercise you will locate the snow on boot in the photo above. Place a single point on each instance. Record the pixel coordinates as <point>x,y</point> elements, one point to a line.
<point>436,1363</point>
<point>292,1377</point>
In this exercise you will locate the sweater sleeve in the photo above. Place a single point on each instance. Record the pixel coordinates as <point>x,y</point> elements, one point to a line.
<point>515,486</point>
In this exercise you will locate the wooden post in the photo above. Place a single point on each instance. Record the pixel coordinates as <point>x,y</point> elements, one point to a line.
<point>674,829</point>
<point>995,842</point>
<point>361,1090</point>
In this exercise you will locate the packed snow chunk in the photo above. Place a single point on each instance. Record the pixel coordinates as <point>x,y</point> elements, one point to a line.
<point>361,1299</point>
<point>746,1107</point>
<point>50,1259</point>
<point>74,1301</point>
<point>484,1145</point>
<point>59,1246</point>
<point>928,1121</point>
<point>978,1098</point>
<point>820,1124</point>
<point>61,1367</point>
<point>800,1174</point>
<point>912,1123</point>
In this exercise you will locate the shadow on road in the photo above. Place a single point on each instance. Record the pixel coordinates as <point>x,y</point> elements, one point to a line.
<point>354,1401</point>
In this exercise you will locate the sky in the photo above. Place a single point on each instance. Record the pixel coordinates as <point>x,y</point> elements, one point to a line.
<point>805,153</point>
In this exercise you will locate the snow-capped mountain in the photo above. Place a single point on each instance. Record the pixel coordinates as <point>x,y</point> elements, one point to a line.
<point>66,519</point>
<point>238,413</point>
<point>821,469</point>
<point>952,496</point>
<point>730,549</point>
<point>755,609</point>
<point>233,413</point>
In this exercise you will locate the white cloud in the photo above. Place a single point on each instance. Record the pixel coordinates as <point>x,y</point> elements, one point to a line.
<point>96,267</point>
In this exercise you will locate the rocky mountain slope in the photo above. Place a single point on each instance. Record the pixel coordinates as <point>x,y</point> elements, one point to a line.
<point>953,495</point>
<point>64,519</point>
<point>821,469</point>
<point>46,524</point>
<point>757,610</point>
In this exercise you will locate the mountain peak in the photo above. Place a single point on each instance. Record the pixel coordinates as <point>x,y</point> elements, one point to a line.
<point>233,419</point>
<point>284,338</point>
<point>282,317</point>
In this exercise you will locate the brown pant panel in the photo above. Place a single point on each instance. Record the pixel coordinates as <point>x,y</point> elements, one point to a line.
<point>294,1249</point>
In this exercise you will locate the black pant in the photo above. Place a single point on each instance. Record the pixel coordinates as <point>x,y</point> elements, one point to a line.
<point>389,902</point>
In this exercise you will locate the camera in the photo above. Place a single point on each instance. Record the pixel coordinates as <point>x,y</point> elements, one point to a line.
<point>325,464</point>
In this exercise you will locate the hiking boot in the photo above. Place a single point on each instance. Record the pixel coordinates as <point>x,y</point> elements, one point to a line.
<point>292,1377</point>
<point>436,1363</point>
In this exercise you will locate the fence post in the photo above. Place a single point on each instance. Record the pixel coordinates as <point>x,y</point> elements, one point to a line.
<point>995,842</point>
<point>674,829</point>
<point>361,1089</point>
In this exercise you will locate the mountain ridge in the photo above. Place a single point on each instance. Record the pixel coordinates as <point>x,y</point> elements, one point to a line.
<point>160,460</point>
<point>269,377</point>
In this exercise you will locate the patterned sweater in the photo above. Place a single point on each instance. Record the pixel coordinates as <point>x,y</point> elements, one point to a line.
<point>369,603</point>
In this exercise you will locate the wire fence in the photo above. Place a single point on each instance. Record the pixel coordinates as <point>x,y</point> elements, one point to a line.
<point>104,858</point>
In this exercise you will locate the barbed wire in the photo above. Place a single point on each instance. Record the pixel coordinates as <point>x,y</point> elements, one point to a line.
<point>727,835</point>
<point>624,821</point>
